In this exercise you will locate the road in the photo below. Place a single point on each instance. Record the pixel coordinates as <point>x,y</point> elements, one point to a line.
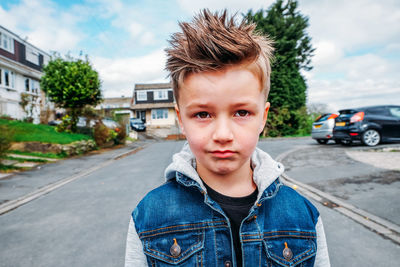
<point>84,222</point>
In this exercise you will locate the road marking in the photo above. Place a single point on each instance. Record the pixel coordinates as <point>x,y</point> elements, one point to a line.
<point>13,204</point>
<point>377,224</point>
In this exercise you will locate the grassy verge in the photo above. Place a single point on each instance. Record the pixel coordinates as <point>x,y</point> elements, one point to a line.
<point>38,154</point>
<point>29,132</point>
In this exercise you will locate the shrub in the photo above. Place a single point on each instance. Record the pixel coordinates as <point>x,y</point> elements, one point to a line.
<point>101,134</point>
<point>6,136</point>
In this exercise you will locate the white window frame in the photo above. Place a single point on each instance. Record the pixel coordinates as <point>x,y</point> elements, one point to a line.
<point>11,78</point>
<point>32,55</point>
<point>159,113</point>
<point>160,94</point>
<point>6,42</point>
<point>141,95</point>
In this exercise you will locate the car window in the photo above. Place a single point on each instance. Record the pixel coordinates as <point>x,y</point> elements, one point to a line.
<point>395,111</point>
<point>377,111</point>
<point>323,117</point>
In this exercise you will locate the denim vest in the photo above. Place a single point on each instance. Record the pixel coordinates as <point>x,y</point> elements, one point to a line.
<point>179,225</point>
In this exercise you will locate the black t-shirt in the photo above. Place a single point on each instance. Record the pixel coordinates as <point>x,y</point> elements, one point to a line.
<point>236,208</point>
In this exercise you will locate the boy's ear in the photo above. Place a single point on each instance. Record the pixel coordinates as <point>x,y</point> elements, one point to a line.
<point>178,114</point>
<point>265,116</point>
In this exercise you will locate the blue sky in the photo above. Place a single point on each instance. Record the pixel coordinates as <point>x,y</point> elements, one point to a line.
<point>357,42</point>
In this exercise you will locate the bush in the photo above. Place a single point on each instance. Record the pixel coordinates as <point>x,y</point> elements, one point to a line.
<point>6,136</point>
<point>285,122</point>
<point>121,136</point>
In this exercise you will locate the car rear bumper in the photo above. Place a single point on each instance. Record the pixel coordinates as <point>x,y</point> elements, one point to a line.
<point>345,135</point>
<point>324,134</point>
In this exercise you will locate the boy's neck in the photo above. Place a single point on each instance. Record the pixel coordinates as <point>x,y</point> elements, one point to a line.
<point>236,184</point>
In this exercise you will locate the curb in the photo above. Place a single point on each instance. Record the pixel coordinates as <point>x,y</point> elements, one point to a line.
<point>13,204</point>
<point>378,225</point>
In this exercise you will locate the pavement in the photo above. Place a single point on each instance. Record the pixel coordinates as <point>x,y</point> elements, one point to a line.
<point>358,182</point>
<point>19,188</point>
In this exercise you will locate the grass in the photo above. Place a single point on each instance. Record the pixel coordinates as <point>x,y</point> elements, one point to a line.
<point>29,132</point>
<point>38,154</point>
<point>25,160</point>
<point>6,168</point>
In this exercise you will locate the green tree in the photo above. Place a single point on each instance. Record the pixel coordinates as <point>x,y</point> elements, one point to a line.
<point>71,84</point>
<point>293,51</point>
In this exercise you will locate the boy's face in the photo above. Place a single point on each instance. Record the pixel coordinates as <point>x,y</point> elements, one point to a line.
<point>222,114</point>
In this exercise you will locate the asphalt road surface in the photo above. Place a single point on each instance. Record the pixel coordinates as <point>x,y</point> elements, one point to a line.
<point>84,223</point>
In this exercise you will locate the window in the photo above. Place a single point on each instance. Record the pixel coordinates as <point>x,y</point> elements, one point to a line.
<point>160,94</point>
<point>35,86</point>
<point>7,78</point>
<point>141,95</point>
<point>6,42</point>
<point>395,112</point>
<point>27,85</point>
<point>161,113</point>
<point>32,55</point>
<point>31,86</point>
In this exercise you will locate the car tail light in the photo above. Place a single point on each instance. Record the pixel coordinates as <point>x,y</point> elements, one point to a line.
<point>333,116</point>
<point>359,116</point>
<point>353,134</point>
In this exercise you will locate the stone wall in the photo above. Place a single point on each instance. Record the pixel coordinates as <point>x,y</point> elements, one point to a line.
<point>75,148</point>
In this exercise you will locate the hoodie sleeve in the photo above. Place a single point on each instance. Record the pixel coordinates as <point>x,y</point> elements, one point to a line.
<point>322,257</point>
<point>134,256</point>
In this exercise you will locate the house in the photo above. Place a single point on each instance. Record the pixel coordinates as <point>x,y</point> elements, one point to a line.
<point>154,103</point>
<point>21,66</point>
<point>119,105</point>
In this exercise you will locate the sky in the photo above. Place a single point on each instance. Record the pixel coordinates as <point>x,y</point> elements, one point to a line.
<point>356,61</point>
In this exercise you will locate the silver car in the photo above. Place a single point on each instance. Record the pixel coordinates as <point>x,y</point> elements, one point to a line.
<point>322,128</point>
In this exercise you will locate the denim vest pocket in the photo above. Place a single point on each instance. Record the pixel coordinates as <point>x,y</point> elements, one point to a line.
<point>188,246</point>
<point>290,248</point>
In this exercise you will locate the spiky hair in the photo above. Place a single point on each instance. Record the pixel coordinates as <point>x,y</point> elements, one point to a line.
<point>216,41</point>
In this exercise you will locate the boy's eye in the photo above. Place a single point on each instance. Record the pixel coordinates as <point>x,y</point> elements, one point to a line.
<point>202,115</point>
<point>241,113</point>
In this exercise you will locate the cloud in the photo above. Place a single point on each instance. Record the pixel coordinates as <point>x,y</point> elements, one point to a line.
<point>232,5</point>
<point>49,28</point>
<point>119,75</point>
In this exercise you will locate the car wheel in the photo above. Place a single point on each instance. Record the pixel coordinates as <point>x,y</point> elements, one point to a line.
<point>371,137</point>
<point>322,141</point>
<point>337,141</point>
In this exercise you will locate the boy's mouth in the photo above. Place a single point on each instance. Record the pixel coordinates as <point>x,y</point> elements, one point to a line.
<point>223,153</point>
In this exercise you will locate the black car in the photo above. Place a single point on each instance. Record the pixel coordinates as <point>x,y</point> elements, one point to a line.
<point>137,125</point>
<point>370,125</point>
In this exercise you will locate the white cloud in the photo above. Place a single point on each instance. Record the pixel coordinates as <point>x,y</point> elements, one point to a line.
<point>119,75</point>
<point>232,5</point>
<point>45,26</point>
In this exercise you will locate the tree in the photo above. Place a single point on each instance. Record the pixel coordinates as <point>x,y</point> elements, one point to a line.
<point>71,84</point>
<point>293,51</point>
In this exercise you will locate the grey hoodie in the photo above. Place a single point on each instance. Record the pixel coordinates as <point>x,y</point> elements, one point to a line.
<point>265,172</point>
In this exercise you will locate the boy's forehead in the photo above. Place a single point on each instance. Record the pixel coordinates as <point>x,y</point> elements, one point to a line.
<point>231,86</point>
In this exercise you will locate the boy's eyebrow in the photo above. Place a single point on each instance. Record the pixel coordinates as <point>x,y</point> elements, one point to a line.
<point>207,105</point>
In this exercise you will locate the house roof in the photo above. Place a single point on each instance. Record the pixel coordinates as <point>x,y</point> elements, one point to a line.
<point>152,105</point>
<point>147,86</point>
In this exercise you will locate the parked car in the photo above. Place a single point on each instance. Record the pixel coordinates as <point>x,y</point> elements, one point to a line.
<point>370,125</point>
<point>322,128</point>
<point>137,124</point>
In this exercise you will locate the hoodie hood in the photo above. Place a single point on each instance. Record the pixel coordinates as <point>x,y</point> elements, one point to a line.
<point>265,169</point>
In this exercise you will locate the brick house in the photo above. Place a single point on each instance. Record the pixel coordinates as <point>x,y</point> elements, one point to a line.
<point>21,66</point>
<point>154,103</point>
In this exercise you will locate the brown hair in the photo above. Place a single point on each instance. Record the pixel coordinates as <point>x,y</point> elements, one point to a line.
<point>213,42</point>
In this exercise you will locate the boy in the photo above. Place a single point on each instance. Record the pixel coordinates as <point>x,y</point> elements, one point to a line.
<point>223,203</point>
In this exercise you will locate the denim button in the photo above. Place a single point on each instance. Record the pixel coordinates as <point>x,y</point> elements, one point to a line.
<point>227,264</point>
<point>287,253</point>
<point>175,249</point>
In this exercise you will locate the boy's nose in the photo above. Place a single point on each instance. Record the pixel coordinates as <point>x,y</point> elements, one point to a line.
<point>222,132</point>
